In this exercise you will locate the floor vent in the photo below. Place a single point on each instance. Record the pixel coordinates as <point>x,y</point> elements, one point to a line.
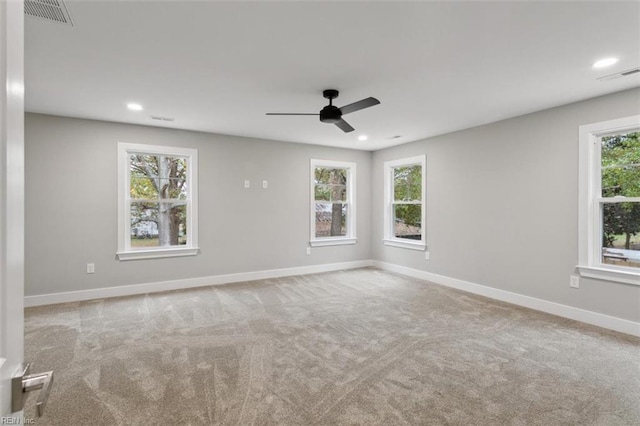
<point>621,74</point>
<point>48,10</point>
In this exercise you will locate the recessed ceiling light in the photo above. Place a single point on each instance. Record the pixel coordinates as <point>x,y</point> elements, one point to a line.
<point>363,137</point>
<point>134,107</point>
<point>606,62</point>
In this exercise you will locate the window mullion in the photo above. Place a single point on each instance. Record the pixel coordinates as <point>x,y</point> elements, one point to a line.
<point>613,200</point>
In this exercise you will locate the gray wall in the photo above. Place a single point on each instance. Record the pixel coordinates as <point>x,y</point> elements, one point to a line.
<point>502,206</point>
<point>71,205</point>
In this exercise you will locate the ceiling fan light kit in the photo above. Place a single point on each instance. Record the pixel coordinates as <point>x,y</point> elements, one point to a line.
<point>332,114</point>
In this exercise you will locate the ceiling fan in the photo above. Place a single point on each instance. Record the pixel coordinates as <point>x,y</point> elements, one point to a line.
<point>333,114</point>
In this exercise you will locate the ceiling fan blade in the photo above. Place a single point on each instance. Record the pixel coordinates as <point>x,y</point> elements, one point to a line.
<point>356,106</point>
<point>291,113</point>
<point>344,126</point>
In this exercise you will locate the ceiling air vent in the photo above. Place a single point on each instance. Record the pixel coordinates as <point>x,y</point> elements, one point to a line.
<point>621,74</point>
<point>49,10</point>
<point>157,117</point>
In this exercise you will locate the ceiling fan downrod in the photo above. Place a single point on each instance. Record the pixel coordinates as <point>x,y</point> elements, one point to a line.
<point>330,113</point>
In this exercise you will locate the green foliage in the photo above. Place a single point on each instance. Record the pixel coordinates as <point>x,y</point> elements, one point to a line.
<point>621,165</point>
<point>409,214</point>
<point>621,178</point>
<point>326,176</point>
<point>407,183</point>
<point>154,177</point>
<point>330,184</point>
<point>620,219</point>
<point>407,187</point>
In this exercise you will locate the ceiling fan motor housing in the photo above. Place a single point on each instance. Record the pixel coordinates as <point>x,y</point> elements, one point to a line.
<point>330,114</point>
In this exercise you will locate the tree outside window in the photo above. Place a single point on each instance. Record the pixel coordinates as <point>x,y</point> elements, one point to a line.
<point>332,202</point>
<point>158,201</point>
<point>407,202</point>
<point>620,183</point>
<point>158,188</point>
<point>405,192</point>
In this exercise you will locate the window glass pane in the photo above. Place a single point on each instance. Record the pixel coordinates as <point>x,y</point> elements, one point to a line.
<point>143,187</point>
<point>331,220</point>
<point>621,165</point>
<point>330,184</point>
<point>144,226</point>
<point>338,192</point>
<point>621,234</point>
<point>177,227</point>
<point>323,193</point>
<point>329,176</point>
<point>407,183</point>
<point>158,224</point>
<point>331,193</point>
<point>173,188</point>
<point>407,220</point>
<point>143,165</point>
<point>154,177</point>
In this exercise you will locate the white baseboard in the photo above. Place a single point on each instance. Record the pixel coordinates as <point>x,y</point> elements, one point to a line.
<point>128,290</point>
<point>582,315</point>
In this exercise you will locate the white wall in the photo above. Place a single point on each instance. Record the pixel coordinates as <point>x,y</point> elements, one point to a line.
<point>71,205</point>
<point>502,206</point>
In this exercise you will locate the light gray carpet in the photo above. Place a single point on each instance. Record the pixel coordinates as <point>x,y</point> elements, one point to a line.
<point>358,347</point>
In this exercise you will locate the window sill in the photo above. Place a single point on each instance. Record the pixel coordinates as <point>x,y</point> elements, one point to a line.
<point>157,253</point>
<point>332,242</point>
<point>418,245</point>
<point>610,275</point>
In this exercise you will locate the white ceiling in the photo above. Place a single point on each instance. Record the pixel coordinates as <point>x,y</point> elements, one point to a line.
<point>219,67</point>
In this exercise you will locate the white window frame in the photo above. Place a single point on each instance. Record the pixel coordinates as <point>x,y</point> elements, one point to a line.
<point>350,237</point>
<point>125,251</point>
<point>389,236</point>
<point>589,200</point>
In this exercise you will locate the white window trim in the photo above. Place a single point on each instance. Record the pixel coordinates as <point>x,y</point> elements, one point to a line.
<point>350,238</point>
<point>125,252</point>
<point>589,180</point>
<point>389,238</point>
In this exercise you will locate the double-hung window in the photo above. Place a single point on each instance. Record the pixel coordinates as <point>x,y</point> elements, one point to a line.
<point>405,194</point>
<point>333,210</point>
<point>609,219</point>
<point>157,204</point>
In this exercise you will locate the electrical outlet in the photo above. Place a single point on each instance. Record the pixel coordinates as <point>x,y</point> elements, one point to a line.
<point>426,255</point>
<point>308,251</point>
<point>91,268</point>
<point>265,184</point>
<point>247,183</point>
<point>574,281</point>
